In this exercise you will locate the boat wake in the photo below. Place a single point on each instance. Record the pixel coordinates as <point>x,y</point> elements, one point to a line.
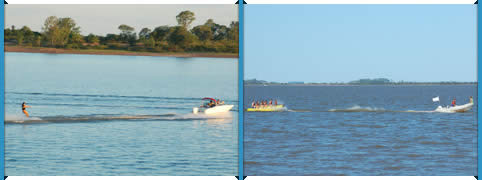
<point>357,108</point>
<point>371,109</point>
<point>10,117</point>
<point>19,119</point>
<point>299,110</point>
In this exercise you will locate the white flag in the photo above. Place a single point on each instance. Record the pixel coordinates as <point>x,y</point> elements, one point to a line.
<point>435,99</point>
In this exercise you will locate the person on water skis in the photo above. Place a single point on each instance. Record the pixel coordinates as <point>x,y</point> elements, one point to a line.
<point>24,109</point>
<point>453,102</point>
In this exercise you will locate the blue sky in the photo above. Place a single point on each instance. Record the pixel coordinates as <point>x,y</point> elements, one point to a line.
<point>340,43</point>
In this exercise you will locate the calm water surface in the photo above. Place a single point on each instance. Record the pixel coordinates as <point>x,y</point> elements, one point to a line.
<point>118,115</point>
<point>361,130</point>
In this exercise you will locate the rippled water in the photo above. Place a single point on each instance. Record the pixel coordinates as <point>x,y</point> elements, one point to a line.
<point>118,115</point>
<point>361,130</point>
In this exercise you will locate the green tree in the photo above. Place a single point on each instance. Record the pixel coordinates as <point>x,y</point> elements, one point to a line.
<point>203,32</point>
<point>93,39</point>
<point>68,29</point>
<point>50,29</point>
<point>59,30</point>
<point>144,33</point>
<point>38,41</point>
<point>180,36</point>
<point>210,23</point>
<point>185,18</point>
<point>125,29</point>
<point>27,33</point>
<point>126,32</point>
<point>20,39</point>
<point>221,32</point>
<point>233,33</point>
<point>110,38</point>
<point>160,33</point>
<point>150,42</point>
<point>75,38</point>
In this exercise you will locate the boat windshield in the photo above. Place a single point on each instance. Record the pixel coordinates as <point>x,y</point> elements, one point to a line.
<point>211,102</point>
<point>208,104</point>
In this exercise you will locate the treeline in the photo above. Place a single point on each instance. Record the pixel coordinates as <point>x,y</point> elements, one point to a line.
<point>58,32</point>
<point>372,81</point>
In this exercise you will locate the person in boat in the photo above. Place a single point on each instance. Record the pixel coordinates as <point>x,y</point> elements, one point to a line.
<point>270,102</point>
<point>211,104</point>
<point>24,109</point>
<point>275,102</point>
<point>453,102</point>
<point>471,100</point>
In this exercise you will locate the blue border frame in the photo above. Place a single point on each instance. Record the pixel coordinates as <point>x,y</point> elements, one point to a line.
<point>241,90</point>
<point>2,96</point>
<point>479,92</point>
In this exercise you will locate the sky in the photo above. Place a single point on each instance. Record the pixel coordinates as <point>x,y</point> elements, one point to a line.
<point>104,19</point>
<point>341,43</point>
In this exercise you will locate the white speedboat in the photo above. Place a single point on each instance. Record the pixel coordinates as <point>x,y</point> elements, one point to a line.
<point>212,107</point>
<point>454,109</point>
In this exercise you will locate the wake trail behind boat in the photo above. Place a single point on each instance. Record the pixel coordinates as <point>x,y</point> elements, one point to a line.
<point>299,110</point>
<point>357,108</point>
<point>18,119</point>
<point>370,109</point>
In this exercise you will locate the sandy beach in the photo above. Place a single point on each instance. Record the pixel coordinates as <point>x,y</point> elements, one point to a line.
<point>114,52</point>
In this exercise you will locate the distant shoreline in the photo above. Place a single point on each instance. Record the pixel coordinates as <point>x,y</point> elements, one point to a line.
<point>360,82</point>
<point>321,84</point>
<point>114,52</point>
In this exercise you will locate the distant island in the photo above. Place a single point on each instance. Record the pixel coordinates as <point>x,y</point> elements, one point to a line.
<point>62,35</point>
<point>376,81</point>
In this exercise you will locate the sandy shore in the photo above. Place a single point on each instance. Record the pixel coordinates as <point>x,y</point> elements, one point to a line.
<point>113,52</point>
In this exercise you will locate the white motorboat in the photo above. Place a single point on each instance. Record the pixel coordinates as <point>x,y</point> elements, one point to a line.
<point>454,109</point>
<point>212,107</point>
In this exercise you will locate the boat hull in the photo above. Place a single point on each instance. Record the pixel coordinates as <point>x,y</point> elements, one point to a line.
<point>213,110</point>
<point>454,109</point>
